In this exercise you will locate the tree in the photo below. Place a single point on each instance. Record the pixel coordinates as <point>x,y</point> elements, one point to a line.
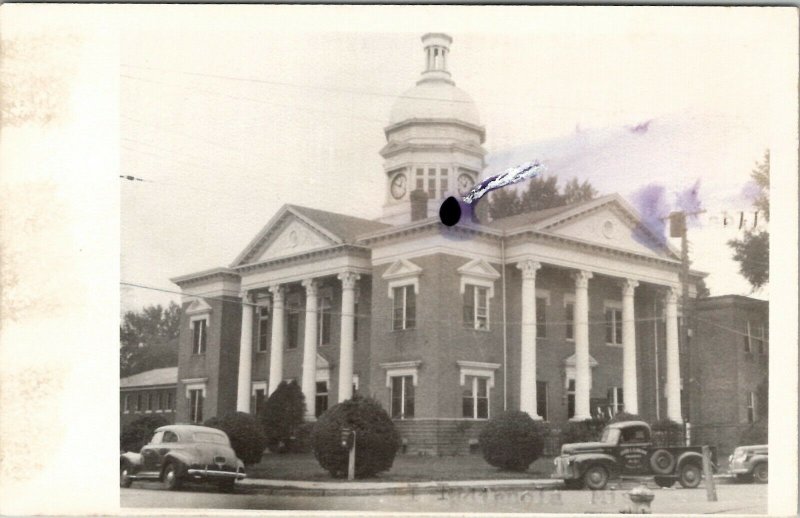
<point>282,416</point>
<point>246,435</point>
<point>503,203</point>
<point>752,250</point>
<point>149,339</point>
<point>575,191</point>
<point>542,193</point>
<point>134,435</point>
<point>512,440</point>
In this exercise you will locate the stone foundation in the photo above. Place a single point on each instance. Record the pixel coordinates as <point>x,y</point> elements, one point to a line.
<point>439,436</point>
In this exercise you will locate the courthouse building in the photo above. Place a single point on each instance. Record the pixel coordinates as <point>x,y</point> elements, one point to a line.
<point>562,313</point>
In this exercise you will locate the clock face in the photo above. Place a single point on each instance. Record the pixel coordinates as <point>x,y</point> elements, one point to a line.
<point>465,183</point>
<point>398,187</point>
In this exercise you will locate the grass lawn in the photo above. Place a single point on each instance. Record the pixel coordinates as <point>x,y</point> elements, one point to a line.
<point>406,468</point>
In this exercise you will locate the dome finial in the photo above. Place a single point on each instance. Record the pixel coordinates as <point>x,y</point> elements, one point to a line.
<point>437,48</point>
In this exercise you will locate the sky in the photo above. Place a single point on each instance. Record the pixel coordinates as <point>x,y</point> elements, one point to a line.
<point>225,126</point>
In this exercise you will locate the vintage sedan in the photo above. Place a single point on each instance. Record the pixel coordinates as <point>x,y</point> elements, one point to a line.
<point>750,463</point>
<point>180,453</point>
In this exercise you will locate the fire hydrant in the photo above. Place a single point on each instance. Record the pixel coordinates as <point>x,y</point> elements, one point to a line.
<point>640,498</point>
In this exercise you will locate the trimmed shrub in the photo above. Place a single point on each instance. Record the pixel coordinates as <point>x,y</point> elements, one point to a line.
<point>377,440</point>
<point>283,413</point>
<point>756,433</point>
<point>300,442</point>
<point>625,416</point>
<point>512,440</point>
<point>582,431</point>
<point>246,435</point>
<point>137,433</point>
<point>667,433</point>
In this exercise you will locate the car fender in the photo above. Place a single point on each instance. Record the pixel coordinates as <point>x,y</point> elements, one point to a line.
<point>688,456</point>
<point>755,460</point>
<point>132,458</point>
<point>584,460</point>
<point>181,459</point>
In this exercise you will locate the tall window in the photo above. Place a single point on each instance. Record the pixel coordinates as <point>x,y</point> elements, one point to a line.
<point>324,320</point>
<point>170,402</point>
<point>475,398</point>
<point>322,398</point>
<point>125,403</point>
<point>762,341</point>
<point>259,397</point>
<point>541,398</point>
<point>569,313</point>
<point>420,180</point>
<point>160,402</point>
<point>150,402</point>
<point>443,187</point>
<point>404,313</point>
<point>196,405</point>
<point>748,338</point>
<point>292,326</point>
<point>431,184</point>
<point>402,397</point>
<point>570,399</point>
<point>263,329</point>
<point>139,403</point>
<point>613,326</point>
<point>541,317</point>
<point>615,401</point>
<point>751,407</point>
<point>476,307</point>
<point>199,336</point>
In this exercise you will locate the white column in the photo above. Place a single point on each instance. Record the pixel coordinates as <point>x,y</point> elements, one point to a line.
<point>630,391</point>
<point>245,356</point>
<point>673,358</point>
<point>527,373</point>
<point>346,343</point>
<point>309,381</point>
<point>276,344</point>
<point>583,380</point>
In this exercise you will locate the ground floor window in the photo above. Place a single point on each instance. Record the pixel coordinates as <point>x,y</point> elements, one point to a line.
<point>541,399</point>
<point>170,402</point>
<point>475,398</point>
<point>402,397</point>
<point>571,399</point>
<point>751,407</point>
<point>321,398</point>
<point>615,402</point>
<point>196,405</point>
<point>259,398</point>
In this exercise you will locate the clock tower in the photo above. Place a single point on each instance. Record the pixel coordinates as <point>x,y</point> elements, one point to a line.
<point>434,138</point>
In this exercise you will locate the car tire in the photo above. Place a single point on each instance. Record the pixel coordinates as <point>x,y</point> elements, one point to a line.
<point>124,475</point>
<point>227,486</point>
<point>662,462</point>
<point>573,483</point>
<point>664,481</point>
<point>171,479</point>
<point>761,473</point>
<point>596,477</point>
<point>690,475</point>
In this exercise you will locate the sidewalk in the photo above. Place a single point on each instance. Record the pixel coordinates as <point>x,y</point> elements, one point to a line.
<point>363,488</point>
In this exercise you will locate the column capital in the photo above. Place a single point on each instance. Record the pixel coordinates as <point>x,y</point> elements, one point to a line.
<point>246,295</point>
<point>671,295</point>
<point>277,292</point>
<point>582,278</point>
<point>311,287</point>
<point>529,267</point>
<point>348,280</point>
<point>628,287</point>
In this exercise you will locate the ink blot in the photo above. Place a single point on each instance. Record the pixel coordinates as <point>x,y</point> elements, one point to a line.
<point>450,211</point>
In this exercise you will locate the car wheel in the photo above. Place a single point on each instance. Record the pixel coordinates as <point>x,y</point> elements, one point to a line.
<point>125,475</point>
<point>227,486</point>
<point>662,462</point>
<point>761,473</point>
<point>690,475</point>
<point>596,477</point>
<point>574,483</point>
<point>170,479</point>
<point>664,481</point>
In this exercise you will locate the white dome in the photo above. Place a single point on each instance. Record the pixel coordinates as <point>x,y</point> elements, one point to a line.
<point>435,100</point>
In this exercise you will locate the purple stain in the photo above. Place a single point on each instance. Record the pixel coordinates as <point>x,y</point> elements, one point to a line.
<point>651,203</point>
<point>688,201</point>
<point>751,191</point>
<point>641,127</point>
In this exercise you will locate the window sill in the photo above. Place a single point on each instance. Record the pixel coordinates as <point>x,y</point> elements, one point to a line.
<point>613,344</point>
<point>199,354</point>
<point>262,352</point>
<point>405,329</point>
<point>477,329</point>
<point>569,340</point>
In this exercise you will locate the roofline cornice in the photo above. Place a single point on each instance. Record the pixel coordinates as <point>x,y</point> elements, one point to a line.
<point>213,273</point>
<point>399,148</point>
<point>432,120</point>
<point>336,250</point>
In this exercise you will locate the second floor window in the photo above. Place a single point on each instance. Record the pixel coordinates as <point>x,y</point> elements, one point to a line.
<point>292,327</point>
<point>402,397</point>
<point>324,320</point>
<point>613,326</point>
<point>199,328</point>
<point>541,317</point>
<point>476,307</point>
<point>404,311</point>
<point>569,313</point>
<point>263,329</point>
<point>475,398</point>
<point>751,407</point>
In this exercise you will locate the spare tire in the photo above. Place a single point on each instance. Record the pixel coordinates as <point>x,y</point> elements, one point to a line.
<point>662,462</point>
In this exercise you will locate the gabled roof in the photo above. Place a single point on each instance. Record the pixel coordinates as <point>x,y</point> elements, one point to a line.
<point>337,228</point>
<point>529,218</point>
<point>151,378</point>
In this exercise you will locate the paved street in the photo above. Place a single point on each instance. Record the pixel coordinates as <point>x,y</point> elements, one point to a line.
<point>733,498</point>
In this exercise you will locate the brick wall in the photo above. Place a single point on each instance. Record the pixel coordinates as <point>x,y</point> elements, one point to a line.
<point>438,436</point>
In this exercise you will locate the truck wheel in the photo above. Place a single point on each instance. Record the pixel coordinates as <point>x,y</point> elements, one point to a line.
<point>125,475</point>
<point>596,477</point>
<point>761,473</point>
<point>690,475</point>
<point>662,462</point>
<point>574,483</point>
<point>170,478</point>
<point>664,481</point>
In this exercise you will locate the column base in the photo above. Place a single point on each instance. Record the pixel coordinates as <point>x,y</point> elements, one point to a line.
<point>310,418</point>
<point>537,417</point>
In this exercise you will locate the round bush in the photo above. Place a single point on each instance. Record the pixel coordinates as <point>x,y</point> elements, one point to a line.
<point>377,440</point>
<point>625,416</point>
<point>587,430</point>
<point>512,440</point>
<point>246,435</point>
<point>137,433</point>
<point>283,414</point>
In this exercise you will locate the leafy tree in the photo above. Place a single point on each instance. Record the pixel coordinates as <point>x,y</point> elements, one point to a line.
<point>702,289</point>
<point>246,435</point>
<point>752,250</point>
<point>283,416</point>
<point>542,193</point>
<point>575,191</point>
<point>137,433</point>
<point>503,203</point>
<point>149,339</point>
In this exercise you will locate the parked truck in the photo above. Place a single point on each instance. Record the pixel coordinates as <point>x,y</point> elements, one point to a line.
<point>625,449</point>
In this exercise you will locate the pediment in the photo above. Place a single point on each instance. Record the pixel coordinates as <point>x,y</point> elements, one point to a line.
<point>402,268</point>
<point>198,307</point>
<point>480,269</point>
<point>569,361</point>
<point>322,363</point>
<point>611,226</point>
<point>293,237</point>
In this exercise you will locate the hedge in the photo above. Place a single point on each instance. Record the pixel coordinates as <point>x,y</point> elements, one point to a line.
<point>137,433</point>
<point>512,440</point>
<point>246,435</point>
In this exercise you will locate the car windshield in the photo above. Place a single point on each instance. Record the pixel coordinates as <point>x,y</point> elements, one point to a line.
<point>210,437</point>
<point>610,436</point>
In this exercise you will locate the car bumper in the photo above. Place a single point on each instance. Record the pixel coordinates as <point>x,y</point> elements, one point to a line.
<point>738,467</point>
<point>214,474</point>
<point>563,469</point>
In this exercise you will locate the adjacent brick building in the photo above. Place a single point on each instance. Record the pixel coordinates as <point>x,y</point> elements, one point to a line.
<point>148,393</point>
